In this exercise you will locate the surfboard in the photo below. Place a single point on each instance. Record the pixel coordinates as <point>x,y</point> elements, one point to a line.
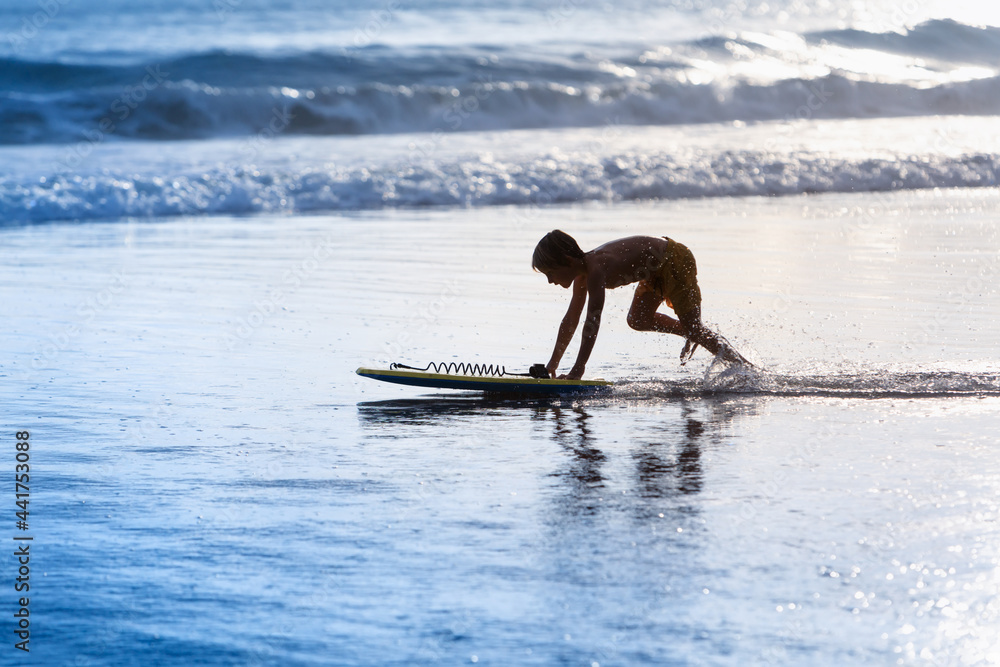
<point>498,385</point>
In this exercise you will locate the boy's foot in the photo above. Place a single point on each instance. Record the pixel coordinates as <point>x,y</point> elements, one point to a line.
<point>689,347</point>
<point>727,353</point>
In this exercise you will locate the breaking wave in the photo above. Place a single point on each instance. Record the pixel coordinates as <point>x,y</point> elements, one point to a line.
<point>940,67</point>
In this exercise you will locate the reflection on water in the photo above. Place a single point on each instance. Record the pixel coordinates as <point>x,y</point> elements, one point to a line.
<point>433,410</point>
<point>663,467</point>
<point>665,441</point>
<point>661,474</point>
<point>605,531</point>
<point>571,431</point>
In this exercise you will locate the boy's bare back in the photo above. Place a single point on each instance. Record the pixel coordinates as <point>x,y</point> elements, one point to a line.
<point>628,260</point>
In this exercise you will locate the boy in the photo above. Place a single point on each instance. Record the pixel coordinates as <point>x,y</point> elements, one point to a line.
<point>665,272</point>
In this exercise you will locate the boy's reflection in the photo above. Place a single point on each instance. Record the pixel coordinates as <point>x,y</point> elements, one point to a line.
<point>662,474</point>
<point>572,433</point>
<point>665,467</point>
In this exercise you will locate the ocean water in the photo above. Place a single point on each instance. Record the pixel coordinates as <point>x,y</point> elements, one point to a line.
<point>239,107</point>
<point>213,212</point>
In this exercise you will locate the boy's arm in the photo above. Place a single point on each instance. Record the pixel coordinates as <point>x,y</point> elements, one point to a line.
<point>591,326</point>
<point>568,326</point>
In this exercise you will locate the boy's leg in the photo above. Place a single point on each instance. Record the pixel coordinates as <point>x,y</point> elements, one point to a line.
<point>642,316</point>
<point>697,332</point>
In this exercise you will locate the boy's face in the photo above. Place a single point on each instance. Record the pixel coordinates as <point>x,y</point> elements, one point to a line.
<point>562,276</point>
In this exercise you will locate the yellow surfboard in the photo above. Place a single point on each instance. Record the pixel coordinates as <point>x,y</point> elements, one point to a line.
<point>502,385</point>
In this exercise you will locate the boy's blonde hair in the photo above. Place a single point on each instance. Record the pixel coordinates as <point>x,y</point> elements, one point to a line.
<point>556,250</point>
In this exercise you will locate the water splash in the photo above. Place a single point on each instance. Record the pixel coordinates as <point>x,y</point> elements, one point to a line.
<point>720,379</point>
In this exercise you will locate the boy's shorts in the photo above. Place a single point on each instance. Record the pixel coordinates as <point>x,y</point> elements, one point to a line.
<point>676,281</point>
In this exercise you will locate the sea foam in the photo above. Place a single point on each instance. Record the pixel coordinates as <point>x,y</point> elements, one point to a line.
<point>473,181</point>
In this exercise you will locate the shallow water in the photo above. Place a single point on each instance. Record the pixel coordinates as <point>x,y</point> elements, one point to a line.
<point>213,484</point>
<point>214,212</point>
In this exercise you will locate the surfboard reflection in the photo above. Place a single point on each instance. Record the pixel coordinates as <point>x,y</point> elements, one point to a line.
<point>427,410</point>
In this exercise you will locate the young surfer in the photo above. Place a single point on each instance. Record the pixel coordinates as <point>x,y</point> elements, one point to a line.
<point>665,271</point>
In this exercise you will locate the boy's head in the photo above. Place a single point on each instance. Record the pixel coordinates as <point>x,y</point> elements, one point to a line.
<point>556,250</point>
